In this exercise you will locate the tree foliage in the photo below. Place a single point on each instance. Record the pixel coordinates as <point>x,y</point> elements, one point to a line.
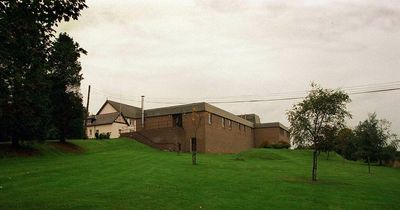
<point>346,144</point>
<point>65,77</point>
<point>328,140</point>
<point>321,109</point>
<point>26,28</point>
<point>374,140</point>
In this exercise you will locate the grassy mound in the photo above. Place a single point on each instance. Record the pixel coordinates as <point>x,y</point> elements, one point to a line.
<point>124,174</point>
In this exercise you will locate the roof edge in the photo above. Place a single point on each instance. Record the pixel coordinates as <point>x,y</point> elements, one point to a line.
<point>271,125</point>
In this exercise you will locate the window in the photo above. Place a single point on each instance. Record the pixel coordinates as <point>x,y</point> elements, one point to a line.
<point>209,118</point>
<point>90,131</point>
<point>223,122</point>
<point>230,124</point>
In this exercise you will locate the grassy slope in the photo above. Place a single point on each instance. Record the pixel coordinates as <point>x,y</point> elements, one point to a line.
<point>122,174</point>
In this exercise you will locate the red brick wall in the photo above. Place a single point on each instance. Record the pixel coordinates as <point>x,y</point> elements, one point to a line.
<point>268,136</point>
<point>155,122</point>
<point>226,139</point>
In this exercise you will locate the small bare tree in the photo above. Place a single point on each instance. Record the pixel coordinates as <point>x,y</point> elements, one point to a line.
<point>196,122</point>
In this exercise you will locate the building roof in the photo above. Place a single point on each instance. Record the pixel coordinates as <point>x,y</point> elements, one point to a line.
<point>128,110</point>
<point>199,107</point>
<point>251,120</point>
<point>103,119</point>
<point>271,125</point>
<point>251,117</point>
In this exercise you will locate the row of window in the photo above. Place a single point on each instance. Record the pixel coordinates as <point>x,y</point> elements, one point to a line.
<point>223,122</point>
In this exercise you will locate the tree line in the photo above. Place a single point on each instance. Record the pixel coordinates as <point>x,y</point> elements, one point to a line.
<point>40,72</point>
<point>319,123</point>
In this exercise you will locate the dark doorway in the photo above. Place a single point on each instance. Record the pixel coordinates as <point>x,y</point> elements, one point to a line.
<point>177,120</point>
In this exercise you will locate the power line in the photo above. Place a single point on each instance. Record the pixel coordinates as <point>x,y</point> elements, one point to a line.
<point>283,96</point>
<point>294,98</point>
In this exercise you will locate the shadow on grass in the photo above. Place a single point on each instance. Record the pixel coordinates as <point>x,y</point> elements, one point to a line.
<point>7,150</point>
<point>37,149</point>
<point>67,147</point>
<point>307,180</point>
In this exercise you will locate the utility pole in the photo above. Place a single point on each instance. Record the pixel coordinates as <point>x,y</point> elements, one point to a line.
<point>87,113</point>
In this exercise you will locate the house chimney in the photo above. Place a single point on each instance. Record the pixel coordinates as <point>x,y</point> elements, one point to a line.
<point>142,111</point>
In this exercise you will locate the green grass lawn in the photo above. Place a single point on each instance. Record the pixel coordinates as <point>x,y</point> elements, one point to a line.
<point>123,174</point>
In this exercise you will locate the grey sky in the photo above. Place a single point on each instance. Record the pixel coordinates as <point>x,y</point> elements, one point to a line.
<point>188,51</point>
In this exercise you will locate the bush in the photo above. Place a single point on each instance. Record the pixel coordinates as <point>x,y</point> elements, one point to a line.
<point>102,135</point>
<point>279,145</point>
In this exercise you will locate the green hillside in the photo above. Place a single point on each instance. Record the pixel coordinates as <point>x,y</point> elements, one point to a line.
<point>123,174</point>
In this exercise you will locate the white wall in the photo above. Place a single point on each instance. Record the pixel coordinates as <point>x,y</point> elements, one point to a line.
<point>108,109</point>
<point>112,128</point>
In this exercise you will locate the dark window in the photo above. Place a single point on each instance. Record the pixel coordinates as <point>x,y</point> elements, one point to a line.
<point>177,118</point>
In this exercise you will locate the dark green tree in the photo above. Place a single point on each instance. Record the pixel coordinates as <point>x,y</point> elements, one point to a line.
<point>320,109</point>
<point>346,144</point>
<point>328,140</point>
<point>26,28</point>
<point>65,76</point>
<point>373,138</point>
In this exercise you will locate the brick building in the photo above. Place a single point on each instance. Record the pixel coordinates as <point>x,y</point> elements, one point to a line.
<point>216,130</point>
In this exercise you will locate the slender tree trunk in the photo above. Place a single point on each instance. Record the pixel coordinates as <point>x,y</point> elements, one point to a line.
<point>14,142</point>
<point>380,162</point>
<point>194,151</point>
<point>314,168</point>
<point>369,165</point>
<point>62,137</point>
<point>327,156</point>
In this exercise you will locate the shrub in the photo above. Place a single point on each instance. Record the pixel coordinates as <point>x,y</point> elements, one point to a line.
<point>279,145</point>
<point>104,136</point>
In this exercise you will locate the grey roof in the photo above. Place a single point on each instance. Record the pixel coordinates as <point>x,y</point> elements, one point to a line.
<point>252,120</point>
<point>202,106</point>
<point>128,110</point>
<point>102,119</point>
<point>271,125</point>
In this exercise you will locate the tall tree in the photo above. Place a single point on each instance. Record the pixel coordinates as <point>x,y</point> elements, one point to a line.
<point>373,136</point>
<point>320,109</point>
<point>26,28</point>
<point>65,76</point>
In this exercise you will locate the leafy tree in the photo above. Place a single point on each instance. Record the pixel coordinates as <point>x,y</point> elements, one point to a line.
<point>346,144</point>
<point>65,76</point>
<point>373,139</point>
<point>26,28</point>
<point>320,109</point>
<point>328,139</point>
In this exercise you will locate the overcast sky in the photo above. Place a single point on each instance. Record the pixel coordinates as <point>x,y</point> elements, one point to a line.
<point>190,51</point>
